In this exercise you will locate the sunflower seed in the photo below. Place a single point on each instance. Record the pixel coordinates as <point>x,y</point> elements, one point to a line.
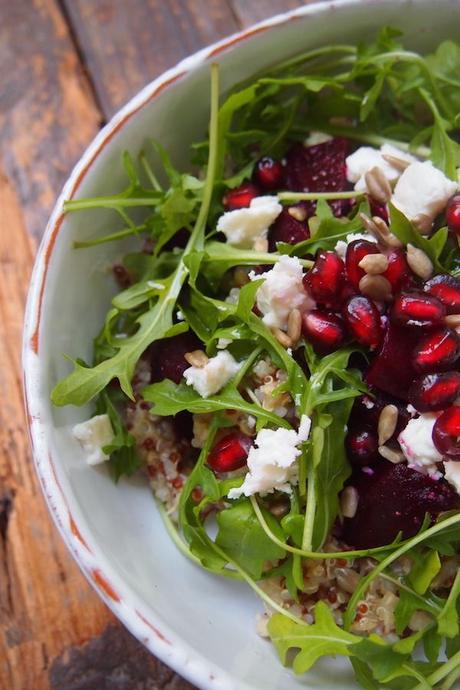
<point>394,456</point>
<point>378,185</point>
<point>282,337</point>
<point>294,325</point>
<point>452,320</point>
<point>388,420</point>
<point>197,358</point>
<point>349,502</point>
<point>376,287</point>
<point>389,239</point>
<point>298,213</point>
<point>374,264</point>
<point>398,163</point>
<point>419,262</point>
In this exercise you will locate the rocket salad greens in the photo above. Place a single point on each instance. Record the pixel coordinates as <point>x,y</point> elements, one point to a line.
<point>290,307</point>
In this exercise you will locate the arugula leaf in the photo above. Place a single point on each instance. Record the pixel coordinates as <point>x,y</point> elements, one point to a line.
<point>424,571</point>
<point>124,458</point>
<point>241,536</point>
<point>310,642</point>
<point>448,623</point>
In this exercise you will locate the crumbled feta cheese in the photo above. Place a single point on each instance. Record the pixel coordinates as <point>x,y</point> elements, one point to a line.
<point>233,296</point>
<point>223,343</point>
<point>341,246</point>
<point>452,474</point>
<point>315,138</point>
<point>180,316</point>
<point>93,435</point>
<point>245,225</point>
<point>422,189</point>
<point>209,379</point>
<point>365,158</point>
<point>281,292</point>
<point>417,444</point>
<point>272,461</point>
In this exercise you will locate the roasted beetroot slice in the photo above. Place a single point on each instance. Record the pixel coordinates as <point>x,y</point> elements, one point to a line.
<point>319,168</point>
<point>287,229</point>
<point>392,370</point>
<point>394,499</point>
<point>167,356</point>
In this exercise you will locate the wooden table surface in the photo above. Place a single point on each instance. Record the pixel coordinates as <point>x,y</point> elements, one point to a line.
<point>66,67</point>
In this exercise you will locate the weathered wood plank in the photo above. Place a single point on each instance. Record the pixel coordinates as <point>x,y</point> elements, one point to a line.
<point>126,44</point>
<point>47,111</point>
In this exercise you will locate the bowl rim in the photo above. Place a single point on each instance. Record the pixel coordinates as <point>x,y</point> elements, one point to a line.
<point>151,631</point>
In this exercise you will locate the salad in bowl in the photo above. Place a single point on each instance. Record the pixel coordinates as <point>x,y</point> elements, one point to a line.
<point>282,358</point>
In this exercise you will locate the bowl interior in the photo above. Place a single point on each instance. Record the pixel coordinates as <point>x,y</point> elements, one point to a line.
<point>209,622</point>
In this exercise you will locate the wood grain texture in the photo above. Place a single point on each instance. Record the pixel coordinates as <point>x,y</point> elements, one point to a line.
<point>47,110</point>
<point>127,44</point>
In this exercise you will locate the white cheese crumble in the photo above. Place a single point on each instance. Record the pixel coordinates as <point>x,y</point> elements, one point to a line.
<point>452,474</point>
<point>209,379</point>
<point>245,225</point>
<point>281,292</point>
<point>422,189</point>
<point>272,461</point>
<point>233,296</point>
<point>315,138</point>
<point>417,444</point>
<point>93,435</point>
<point>365,158</point>
<point>341,246</point>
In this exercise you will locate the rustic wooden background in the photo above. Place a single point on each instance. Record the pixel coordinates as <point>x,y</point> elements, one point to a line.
<point>65,67</point>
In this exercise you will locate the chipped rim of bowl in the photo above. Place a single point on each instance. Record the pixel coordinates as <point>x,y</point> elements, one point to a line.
<point>153,632</point>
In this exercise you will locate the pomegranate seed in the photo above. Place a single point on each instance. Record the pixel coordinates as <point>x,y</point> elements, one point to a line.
<point>362,319</point>
<point>122,276</point>
<point>447,289</point>
<point>240,197</point>
<point>392,369</point>
<point>362,447</point>
<point>230,453</point>
<point>453,214</point>
<point>325,280</point>
<point>435,391</point>
<point>395,498</point>
<point>437,351</point>
<point>268,173</point>
<point>287,229</point>
<point>398,272</point>
<point>356,251</point>
<point>417,309</point>
<point>323,330</point>
<point>446,433</point>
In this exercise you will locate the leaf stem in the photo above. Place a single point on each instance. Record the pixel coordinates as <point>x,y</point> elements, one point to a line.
<point>126,232</point>
<point>109,202</point>
<point>316,196</point>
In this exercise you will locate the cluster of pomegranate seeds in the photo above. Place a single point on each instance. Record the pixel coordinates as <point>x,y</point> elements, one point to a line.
<point>394,498</point>
<point>230,452</point>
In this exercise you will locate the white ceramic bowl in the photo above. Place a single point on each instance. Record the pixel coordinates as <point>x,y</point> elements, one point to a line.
<point>202,626</point>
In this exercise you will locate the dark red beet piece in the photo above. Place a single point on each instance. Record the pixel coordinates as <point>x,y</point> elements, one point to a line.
<point>437,351</point>
<point>268,173</point>
<point>453,214</point>
<point>230,452</point>
<point>394,499</point>
<point>446,433</point>
<point>447,289</point>
<point>392,369</point>
<point>325,331</point>
<point>319,168</point>
<point>435,391</point>
<point>418,310</point>
<point>325,280</point>
<point>287,229</point>
<point>362,447</point>
<point>362,320</point>
<point>398,272</point>
<point>180,240</point>
<point>356,251</point>
<point>240,197</point>
<point>167,356</point>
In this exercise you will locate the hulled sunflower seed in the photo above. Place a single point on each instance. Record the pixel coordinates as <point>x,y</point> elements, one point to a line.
<point>197,358</point>
<point>394,456</point>
<point>261,244</point>
<point>452,320</point>
<point>349,502</point>
<point>419,262</point>
<point>298,213</point>
<point>378,185</point>
<point>376,287</point>
<point>294,327</point>
<point>373,264</point>
<point>388,420</point>
<point>282,337</point>
<point>387,236</point>
<point>398,163</point>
